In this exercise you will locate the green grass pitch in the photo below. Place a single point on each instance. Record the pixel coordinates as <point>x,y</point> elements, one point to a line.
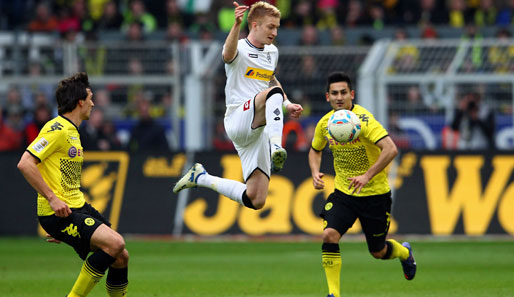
<point>31,267</point>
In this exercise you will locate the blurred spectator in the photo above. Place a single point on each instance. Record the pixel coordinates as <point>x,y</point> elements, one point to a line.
<point>135,32</point>
<point>203,27</point>
<point>95,136</point>
<point>377,17</point>
<point>42,114</point>
<point>309,36</point>
<point>68,21</point>
<point>458,15</point>
<point>102,99</point>
<point>355,14</point>
<point>174,32</point>
<point>220,141</point>
<point>337,36</point>
<point>293,136</point>
<point>173,14</point>
<point>44,20</point>
<point>97,8</point>
<point>10,138</point>
<point>138,13</point>
<point>505,14</point>
<point>226,16</point>
<point>486,14</point>
<point>501,56</point>
<point>428,32</point>
<point>147,134</point>
<point>407,56</point>
<point>433,13</point>
<point>473,123</point>
<point>303,14</point>
<point>111,19</point>
<point>473,61</point>
<point>327,14</point>
<point>399,136</point>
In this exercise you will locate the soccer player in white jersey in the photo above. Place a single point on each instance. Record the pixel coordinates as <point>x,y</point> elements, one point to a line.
<point>254,118</point>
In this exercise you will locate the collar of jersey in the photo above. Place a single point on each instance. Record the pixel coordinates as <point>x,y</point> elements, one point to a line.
<point>68,121</point>
<point>253,46</point>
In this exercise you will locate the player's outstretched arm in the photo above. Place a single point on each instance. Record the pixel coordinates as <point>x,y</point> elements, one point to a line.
<point>28,167</point>
<point>230,49</point>
<point>314,164</point>
<point>389,151</point>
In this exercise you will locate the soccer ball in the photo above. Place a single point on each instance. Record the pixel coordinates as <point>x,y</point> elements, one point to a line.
<point>344,126</point>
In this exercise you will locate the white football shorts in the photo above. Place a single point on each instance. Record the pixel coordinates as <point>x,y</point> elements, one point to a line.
<point>252,145</point>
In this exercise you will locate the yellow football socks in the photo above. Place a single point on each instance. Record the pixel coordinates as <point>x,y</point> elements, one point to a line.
<point>87,279</point>
<point>331,258</point>
<point>398,250</point>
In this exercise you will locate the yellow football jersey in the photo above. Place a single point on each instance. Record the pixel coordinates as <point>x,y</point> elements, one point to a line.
<point>60,153</point>
<point>356,157</point>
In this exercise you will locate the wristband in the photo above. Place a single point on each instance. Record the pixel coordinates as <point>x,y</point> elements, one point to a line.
<point>286,103</point>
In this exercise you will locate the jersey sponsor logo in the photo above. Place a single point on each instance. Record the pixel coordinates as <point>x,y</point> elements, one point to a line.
<point>55,126</point>
<point>255,56</point>
<point>259,74</point>
<point>89,221</point>
<point>246,106</point>
<point>71,230</point>
<point>328,206</point>
<point>72,152</point>
<point>40,145</point>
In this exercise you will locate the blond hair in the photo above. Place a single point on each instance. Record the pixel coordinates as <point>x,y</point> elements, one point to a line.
<point>261,9</point>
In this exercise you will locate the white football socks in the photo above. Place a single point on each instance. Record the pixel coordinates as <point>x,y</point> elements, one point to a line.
<point>227,187</point>
<point>274,118</point>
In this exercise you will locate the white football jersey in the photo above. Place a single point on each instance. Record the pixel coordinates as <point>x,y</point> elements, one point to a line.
<point>249,73</point>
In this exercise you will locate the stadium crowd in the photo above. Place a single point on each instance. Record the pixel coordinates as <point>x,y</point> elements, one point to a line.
<point>25,107</point>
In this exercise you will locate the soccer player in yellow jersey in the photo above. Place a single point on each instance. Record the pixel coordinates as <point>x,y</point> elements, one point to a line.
<point>52,165</point>
<point>361,188</point>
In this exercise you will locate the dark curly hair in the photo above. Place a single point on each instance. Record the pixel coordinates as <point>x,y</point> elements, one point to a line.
<point>70,90</point>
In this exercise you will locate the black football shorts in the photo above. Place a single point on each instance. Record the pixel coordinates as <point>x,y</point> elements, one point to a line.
<point>75,229</point>
<point>374,212</point>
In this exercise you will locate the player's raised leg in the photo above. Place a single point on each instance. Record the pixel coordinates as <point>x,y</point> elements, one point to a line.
<point>268,111</point>
<point>197,176</point>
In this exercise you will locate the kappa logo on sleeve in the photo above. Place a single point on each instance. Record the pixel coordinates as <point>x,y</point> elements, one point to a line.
<point>55,126</point>
<point>40,145</point>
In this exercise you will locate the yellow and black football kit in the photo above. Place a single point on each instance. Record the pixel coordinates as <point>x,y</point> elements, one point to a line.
<point>60,153</point>
<point>372,206</point>
<point>356,157</point>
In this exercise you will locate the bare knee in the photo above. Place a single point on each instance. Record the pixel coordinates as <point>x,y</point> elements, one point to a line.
<point>258,200</point>
<point>116,246</point>
<point>122,260</point>
<point>331,236</point>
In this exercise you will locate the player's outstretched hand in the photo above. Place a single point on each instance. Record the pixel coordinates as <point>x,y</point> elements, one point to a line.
<point>295,110</point>
<point>49,238</point>
<point>317,181</point>
<point>239,12</point>
<point>358,183</point>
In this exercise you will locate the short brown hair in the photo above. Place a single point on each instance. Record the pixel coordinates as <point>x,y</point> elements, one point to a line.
<point>70,90</point>
<point>261,9</point>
